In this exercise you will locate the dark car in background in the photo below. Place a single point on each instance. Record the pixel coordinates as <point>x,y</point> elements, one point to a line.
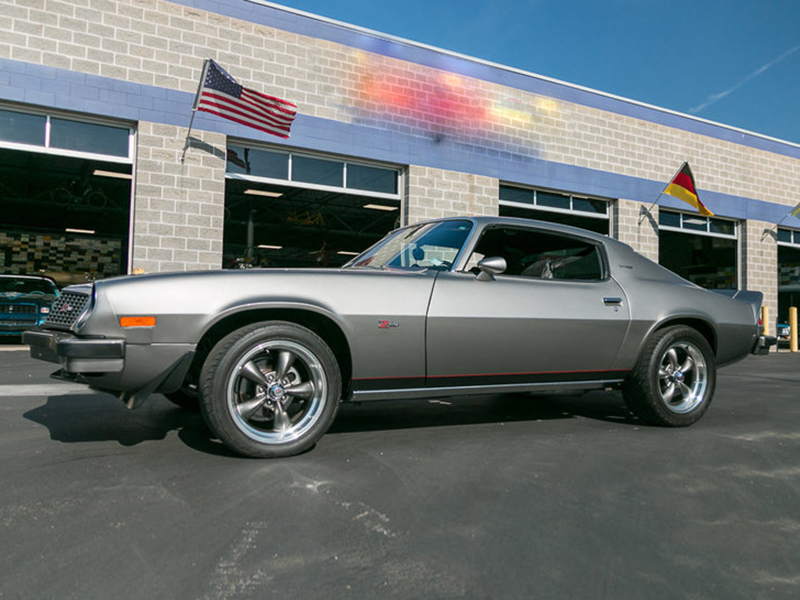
<point>25,302</point>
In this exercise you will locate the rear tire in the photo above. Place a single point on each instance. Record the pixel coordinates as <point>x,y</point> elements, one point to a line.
<point>270,389</point>
<point>672,383</point>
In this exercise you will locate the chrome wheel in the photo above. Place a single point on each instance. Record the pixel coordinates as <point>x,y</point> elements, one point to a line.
<point>270,389</point>
<point>276,392</point>
<point>672,382</point>
<point>683,378</point>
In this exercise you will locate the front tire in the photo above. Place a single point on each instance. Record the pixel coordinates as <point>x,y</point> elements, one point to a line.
<point>270,389</point>
<point>672,383</point>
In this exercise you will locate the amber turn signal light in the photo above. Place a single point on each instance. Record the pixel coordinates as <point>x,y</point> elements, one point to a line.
<point>137,322</point>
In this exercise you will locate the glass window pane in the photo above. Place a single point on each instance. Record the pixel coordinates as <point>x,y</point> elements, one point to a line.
<point>592,206</point>
<point>88,137</point>
<point>373,179</point>
<point>552,200</point>
<point>21,128</point>
<point>784,235</point>
<point>262,163</point>
<point>724,227</point>
<point>512,194</point>
<point>315,170</point>
<point>695,223</point>
<point>669,219</point>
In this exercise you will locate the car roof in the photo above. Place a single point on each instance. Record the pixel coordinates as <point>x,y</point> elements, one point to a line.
<point>486,221</point>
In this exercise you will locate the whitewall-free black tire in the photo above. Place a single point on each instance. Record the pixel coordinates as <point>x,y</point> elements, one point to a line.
<point>270,389</point>
<point>672,384</point>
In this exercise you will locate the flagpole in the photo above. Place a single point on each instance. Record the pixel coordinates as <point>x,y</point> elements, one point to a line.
<point>196,103</point>
<point>661,193</point>
<point>783,218</point>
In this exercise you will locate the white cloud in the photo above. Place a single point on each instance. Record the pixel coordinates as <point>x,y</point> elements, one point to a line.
<point>719,96</point>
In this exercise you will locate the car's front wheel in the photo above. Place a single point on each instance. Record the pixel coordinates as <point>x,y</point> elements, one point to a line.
<point>672,383</point>
<point>270,389</point>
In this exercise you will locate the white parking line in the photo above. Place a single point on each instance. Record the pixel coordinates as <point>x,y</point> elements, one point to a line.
<point>44,389</point>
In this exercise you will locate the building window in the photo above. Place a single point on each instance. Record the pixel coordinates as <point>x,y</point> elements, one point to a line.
<point>703,250</point>
<point>289,209</point>
<point>788,272</point>
<point>55,134</point>
<point>569,209</point>
<point>66,195</point>
<point>304,170</point>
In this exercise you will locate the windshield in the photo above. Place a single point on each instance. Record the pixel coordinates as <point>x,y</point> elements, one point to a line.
<point>424,246</point>
<point>26,286</point>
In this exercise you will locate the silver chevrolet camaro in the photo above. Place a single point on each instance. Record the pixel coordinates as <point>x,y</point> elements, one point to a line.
<point>443,308</point>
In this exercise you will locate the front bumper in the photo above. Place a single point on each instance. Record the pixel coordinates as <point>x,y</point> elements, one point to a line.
<point>763,344</point>
<point>130,371</point>
<point>77,355</point>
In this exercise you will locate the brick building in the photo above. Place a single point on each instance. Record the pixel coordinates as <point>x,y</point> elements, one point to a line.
<point>95,104</point>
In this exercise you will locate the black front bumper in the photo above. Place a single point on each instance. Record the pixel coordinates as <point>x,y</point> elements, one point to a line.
<point>76,355</point>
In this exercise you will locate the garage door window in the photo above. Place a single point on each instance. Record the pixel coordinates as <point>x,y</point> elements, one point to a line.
<point>788,272</point>
<point>556,207</point>
<point>290,209</point>
<point>56,134</point>
<point>65,196</point>
<point>703,250</point>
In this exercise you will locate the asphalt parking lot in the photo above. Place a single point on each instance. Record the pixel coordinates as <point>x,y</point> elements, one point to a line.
<point>491,497</point>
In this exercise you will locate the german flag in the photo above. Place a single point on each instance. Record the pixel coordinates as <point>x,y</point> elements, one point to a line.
<point>682,187</point>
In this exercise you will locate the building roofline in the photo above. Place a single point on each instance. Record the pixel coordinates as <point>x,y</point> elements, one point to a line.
<point>517,71</point>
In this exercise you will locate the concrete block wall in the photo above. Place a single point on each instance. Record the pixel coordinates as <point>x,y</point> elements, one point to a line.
<point>434,193</point>
<point>637,225</point>
<point>178,208</point>
<point>760,270</point>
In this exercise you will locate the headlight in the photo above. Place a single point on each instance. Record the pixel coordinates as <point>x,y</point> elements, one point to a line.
<point>45,310</point>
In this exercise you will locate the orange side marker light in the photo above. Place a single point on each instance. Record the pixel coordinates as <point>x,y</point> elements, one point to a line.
<point>137,322</point>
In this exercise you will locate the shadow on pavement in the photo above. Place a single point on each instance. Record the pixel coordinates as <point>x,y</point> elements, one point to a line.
<point>100,418</point>
<point>404,414</point>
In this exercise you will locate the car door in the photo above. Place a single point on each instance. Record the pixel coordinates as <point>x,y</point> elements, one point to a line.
<point>554,315</point>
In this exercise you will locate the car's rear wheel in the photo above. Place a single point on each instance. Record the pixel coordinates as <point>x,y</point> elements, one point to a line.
<point>673,381</point>
<point>270,389</point>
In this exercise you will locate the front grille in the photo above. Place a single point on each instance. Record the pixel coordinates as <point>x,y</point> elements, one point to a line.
<point>66,310</point>
<point>17,309</point>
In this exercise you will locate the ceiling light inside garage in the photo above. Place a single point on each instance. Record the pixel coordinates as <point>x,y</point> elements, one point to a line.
<point>253,192</point>
<point>116,175</point>
<point>380,207</point>
<point>347,253</point>
<point>268,247</point>
<point>86,231</point>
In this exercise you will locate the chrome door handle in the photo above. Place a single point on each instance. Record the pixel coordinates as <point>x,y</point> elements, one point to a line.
<point>612,301</point>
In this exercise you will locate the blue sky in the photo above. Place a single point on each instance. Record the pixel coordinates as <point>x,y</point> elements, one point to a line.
<point>734,62</point>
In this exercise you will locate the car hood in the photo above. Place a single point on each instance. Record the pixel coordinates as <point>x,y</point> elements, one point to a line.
<point>18,297</point>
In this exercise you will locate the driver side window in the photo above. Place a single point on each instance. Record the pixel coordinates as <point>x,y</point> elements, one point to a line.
<point>541,255</point>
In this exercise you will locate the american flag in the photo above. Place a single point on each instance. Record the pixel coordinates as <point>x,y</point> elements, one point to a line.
<point>221,95</point>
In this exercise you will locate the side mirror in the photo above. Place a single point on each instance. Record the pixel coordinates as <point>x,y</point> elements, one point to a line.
<point>491,266</point>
